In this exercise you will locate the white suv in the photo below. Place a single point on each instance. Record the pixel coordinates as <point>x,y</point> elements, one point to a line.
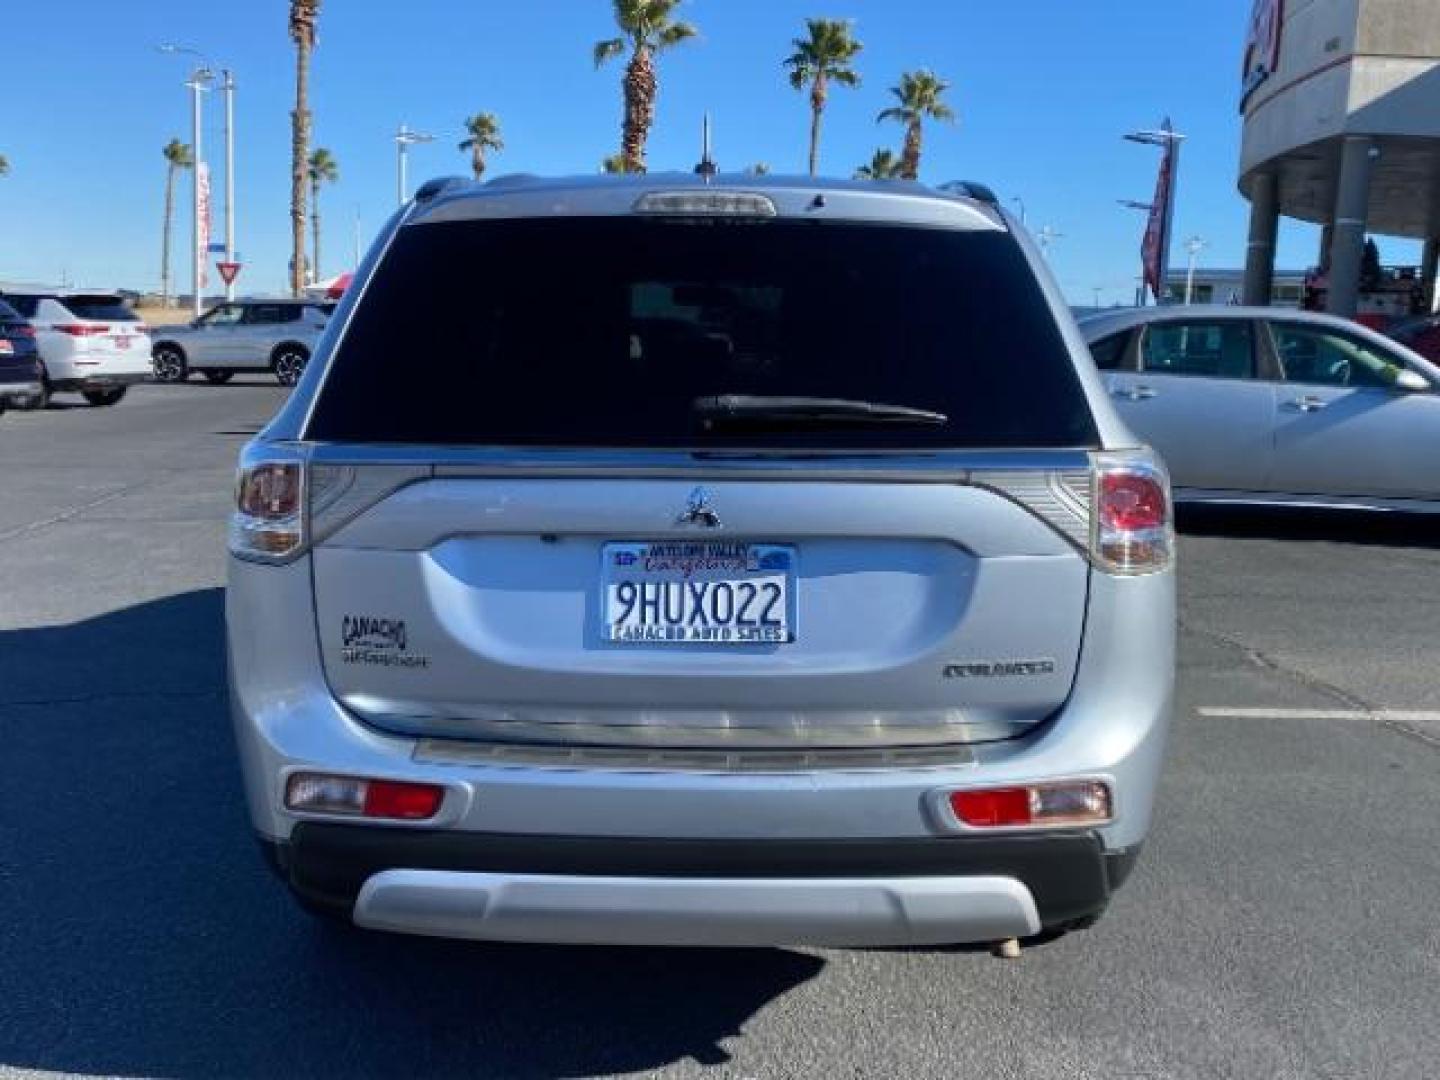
<point>90,342</point>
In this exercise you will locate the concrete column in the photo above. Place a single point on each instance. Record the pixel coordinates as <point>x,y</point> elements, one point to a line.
<point>1352,206</point>
<point>1428,269</point>
<point>1264,225</point>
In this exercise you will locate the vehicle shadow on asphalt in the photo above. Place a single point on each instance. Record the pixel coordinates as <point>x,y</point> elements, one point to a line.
<point>1301,525</point>
<point>141,934</point>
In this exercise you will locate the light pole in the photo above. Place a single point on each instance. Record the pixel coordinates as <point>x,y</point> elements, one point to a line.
<point>1146,208</point>
<point>229,87</point>
<point>203,75</point>
<point>1020,203</point>
<point>404,139</point>
<point>1047,236</point>
<point>1194,246</point>
<point>1169,141</point>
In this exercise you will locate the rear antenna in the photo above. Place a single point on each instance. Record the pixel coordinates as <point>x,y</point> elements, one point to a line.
<point>707,167</point>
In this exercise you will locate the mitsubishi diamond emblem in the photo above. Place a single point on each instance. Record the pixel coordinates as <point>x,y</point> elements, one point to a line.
<point>698,512</point>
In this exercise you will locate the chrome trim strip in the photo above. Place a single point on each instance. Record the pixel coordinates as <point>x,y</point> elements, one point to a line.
<point>624,759</point>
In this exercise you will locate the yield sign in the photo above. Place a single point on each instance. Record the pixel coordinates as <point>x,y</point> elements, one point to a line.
<point>229,271</point>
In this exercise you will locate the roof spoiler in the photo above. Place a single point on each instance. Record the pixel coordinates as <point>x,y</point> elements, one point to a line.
<point>969,189</point>
<point>431,188</point>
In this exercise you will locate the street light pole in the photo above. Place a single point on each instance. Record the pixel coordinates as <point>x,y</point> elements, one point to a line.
<point>1020,203</point>
<point>201,76</point>
<point>198,78</point>
<point>229,86</point>
<point>1194,246</point>
<point>404,139</point>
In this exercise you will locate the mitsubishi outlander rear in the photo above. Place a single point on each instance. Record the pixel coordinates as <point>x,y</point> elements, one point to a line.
<point>646,560</point>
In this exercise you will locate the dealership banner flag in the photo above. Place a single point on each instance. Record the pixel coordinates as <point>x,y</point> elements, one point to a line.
<point>202,240</point>
<point>1157,245</point>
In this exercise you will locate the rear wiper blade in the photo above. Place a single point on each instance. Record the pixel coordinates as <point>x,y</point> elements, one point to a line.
<point>745,409</point>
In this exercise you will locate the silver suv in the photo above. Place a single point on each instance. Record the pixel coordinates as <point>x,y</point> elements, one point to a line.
<point>248,335</point>
<point>772,570</point>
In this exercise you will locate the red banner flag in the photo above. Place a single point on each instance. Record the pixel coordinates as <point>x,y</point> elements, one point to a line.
<point>1156,247</point>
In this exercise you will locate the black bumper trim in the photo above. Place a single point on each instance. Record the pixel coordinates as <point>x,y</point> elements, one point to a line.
<point>1070,874</point>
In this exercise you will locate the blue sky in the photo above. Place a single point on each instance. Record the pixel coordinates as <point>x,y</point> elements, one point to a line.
<point>1044,91</point>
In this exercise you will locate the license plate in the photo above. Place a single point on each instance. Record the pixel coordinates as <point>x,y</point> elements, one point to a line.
<point>123,342</point>
<point>698,593</point>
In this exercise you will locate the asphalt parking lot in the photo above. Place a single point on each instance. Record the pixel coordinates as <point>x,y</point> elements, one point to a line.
<point>1283,922</point>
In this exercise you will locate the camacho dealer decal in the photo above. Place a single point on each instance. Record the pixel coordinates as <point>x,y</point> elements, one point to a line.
<point>365,639</point>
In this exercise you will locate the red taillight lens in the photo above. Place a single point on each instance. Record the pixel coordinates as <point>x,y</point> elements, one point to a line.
<point>1058,803</point>
<point>988,809</point>
<point>1131,501</point>
<point>80,329</point>
<point>270,491</point>
<point>354,796</point>
<point>1133,530</point>
<point>21,330</point>
<point>407,802</point>
<point>269,520</point>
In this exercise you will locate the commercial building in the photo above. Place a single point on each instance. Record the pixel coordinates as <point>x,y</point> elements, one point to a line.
<point>1341,100</point>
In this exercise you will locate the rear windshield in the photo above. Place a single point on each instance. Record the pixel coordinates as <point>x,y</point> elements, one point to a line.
<point>8,313</point>
<point>109,308</point>
<point>608,332</point>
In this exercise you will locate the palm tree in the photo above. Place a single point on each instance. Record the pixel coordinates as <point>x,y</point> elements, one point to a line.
<point>823,58</point>
<point>760,168</point>
<point>303,15</point>
<point>484,131</point>
<point>613,164</point>
<point>648,29</point>
<point>320,168</point>
<point>884,165</point>
<point>4,165</point>
<point>919,94</point>
<point>177,157</point>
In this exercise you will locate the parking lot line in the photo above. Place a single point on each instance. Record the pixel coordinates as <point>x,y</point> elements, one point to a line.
<point>1225,712</point>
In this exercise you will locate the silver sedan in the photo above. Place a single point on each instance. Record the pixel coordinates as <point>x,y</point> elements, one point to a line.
<point>1267,405</point>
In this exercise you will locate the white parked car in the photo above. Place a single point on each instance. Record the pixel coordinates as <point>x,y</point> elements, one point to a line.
<point>90,342</point>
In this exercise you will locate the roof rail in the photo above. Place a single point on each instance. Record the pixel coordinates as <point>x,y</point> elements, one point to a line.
<point>971,190</point>
<point>431,188</point>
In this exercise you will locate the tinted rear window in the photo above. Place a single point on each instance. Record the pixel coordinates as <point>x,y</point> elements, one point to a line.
<point>25,305</point>
<point>605,332</point>
<point>108,308</point>
<point>8,313</point>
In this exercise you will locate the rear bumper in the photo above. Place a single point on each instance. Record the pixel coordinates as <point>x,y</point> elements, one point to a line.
<point>100,380</point>
<point>721,892</point>
<point>19,391</point>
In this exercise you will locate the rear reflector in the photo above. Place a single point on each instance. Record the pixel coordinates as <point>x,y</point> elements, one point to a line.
<point>352,796</point>
<point>1076,802</point>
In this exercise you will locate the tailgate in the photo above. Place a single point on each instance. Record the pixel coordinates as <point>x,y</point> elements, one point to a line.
<point>905,613</point>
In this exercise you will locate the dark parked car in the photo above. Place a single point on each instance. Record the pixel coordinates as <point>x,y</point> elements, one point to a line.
<point>1421,335</point>
<point>20,371</point>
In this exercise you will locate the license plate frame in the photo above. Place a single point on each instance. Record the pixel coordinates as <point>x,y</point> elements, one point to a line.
<point>689,574</point>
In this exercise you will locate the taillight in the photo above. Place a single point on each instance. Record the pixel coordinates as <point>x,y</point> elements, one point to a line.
<point>80,329</point>
<point>268,524</point>
<point>1132,525</point>
<point>354,796</point>
<point>17,330</point>
<point>1031,806</point>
